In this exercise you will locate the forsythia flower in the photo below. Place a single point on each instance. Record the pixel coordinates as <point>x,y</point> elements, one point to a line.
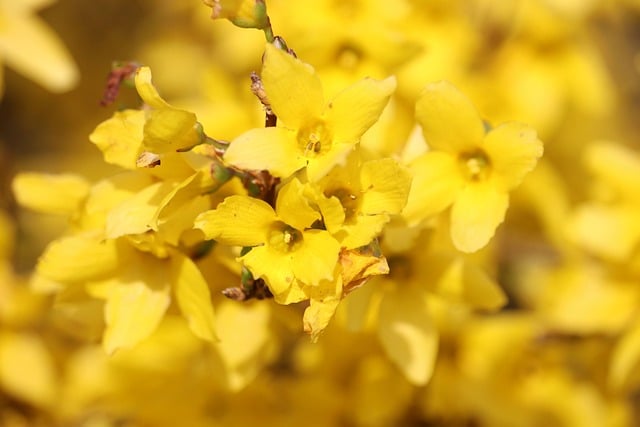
<point>467,168</point>
<point>286,251</point>
<point>310,132</point>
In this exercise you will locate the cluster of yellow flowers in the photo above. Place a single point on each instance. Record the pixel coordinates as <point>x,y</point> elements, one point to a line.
<point>329,173</point>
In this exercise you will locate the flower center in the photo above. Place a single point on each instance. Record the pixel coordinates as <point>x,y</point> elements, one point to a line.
<point>475,164</point>
<point>284,238</point>
<point>314,139</point>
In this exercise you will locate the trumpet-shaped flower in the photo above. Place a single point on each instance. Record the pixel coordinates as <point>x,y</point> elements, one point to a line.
<point>286,252</point>
<point>311,133</point>
<point>467,168</point>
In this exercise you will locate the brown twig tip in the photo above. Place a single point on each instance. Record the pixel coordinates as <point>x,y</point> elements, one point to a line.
<point>120,72</point>
<point>256,289</point>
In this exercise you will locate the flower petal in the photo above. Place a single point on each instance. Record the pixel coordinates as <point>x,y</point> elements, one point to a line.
<point>436,183</point>
<point>75,259</point>
<point>30,47</point>
<point>408,334</point>
<point>316,259</point>
<point>239,220</point>
<point>275,268</point>
<point>513,151</point>
<point>475,215</point>
<point>363,231</point>
<point>386,186</point>
<point>54,194</point>
<point>147,90</point>
<point>449,120</point>
<point>120,138</point>
<point>293,88</point>
<point>353,111</point>
<point>293,207</point>
<point>132,312</point>
<point>193,297</point>
<point>274,149</point>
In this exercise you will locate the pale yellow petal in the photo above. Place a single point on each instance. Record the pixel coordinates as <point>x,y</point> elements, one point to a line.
<point>436,183</point>
<point>53,194</point>
<point>464,283</point>
<point>386,185</point>
<point>120,138</point>
<point>317,257</point>
<point>609,231</point>
<point>33,49</point>
<point>353,111</point>
<point>245,337</point>
<point>362,231</point>
<point>616,165</point>
<point>293,207</point>
<point>318,315</point>
<point>475,215</point>
<point>170,130</point>
<point>408,334</point>
<point>513,150</point>
<point>136,215</point>
<point>449,120</point>
<point>625,358</point>
<point>132,312</point>
<point>193,297</point>
<point>27,370</point>
<point>274,149</point>
<point>293,88</point>
<point>321,165</point>
<point>75,259</point>
<point>276,269</point>
<point>239,220</point>
<point>147,90</point>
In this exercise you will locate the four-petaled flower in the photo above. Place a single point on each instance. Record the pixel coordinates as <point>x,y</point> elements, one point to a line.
<point>467,168</point>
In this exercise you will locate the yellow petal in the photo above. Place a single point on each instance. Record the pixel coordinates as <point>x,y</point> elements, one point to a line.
<point>239,220</point>
<point>54,194</point>
<point>318,315</point>
<point>386,186</point>
<point>244,338</point>
<point>449,120</point>
<point>192,295</point>
<point>353,111</point>
<point>170,130</point>
<point>136,215</point>
<point>316,258</point>
<point>466,284</point>
<point>408,334</point>
<point>147,90</point>
<point>30,47</point>
<point>616,165</point>
<point>362,231</point>
<point>436,183</point>
<point>321,165</point>
<point>120,138</point>
<point>293,88</point>
<point>609,231</point>
<point>513,150</point>
<point>625,358</point>
<point>275,268</point>
<point>27,371</point>
<point>293,208</point>
<point>475,215</point>
<point>75,259</point>
<point>274,149</point>
<point>136,301</point>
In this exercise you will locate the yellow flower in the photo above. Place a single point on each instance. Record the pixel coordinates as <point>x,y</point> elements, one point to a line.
<point>286,252</point>
<point>357,200</point>
<point>310,132</point>
<point>243,13</point>
<point>162,129</point>
<point>31,48</point>
<point>467,168</point>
